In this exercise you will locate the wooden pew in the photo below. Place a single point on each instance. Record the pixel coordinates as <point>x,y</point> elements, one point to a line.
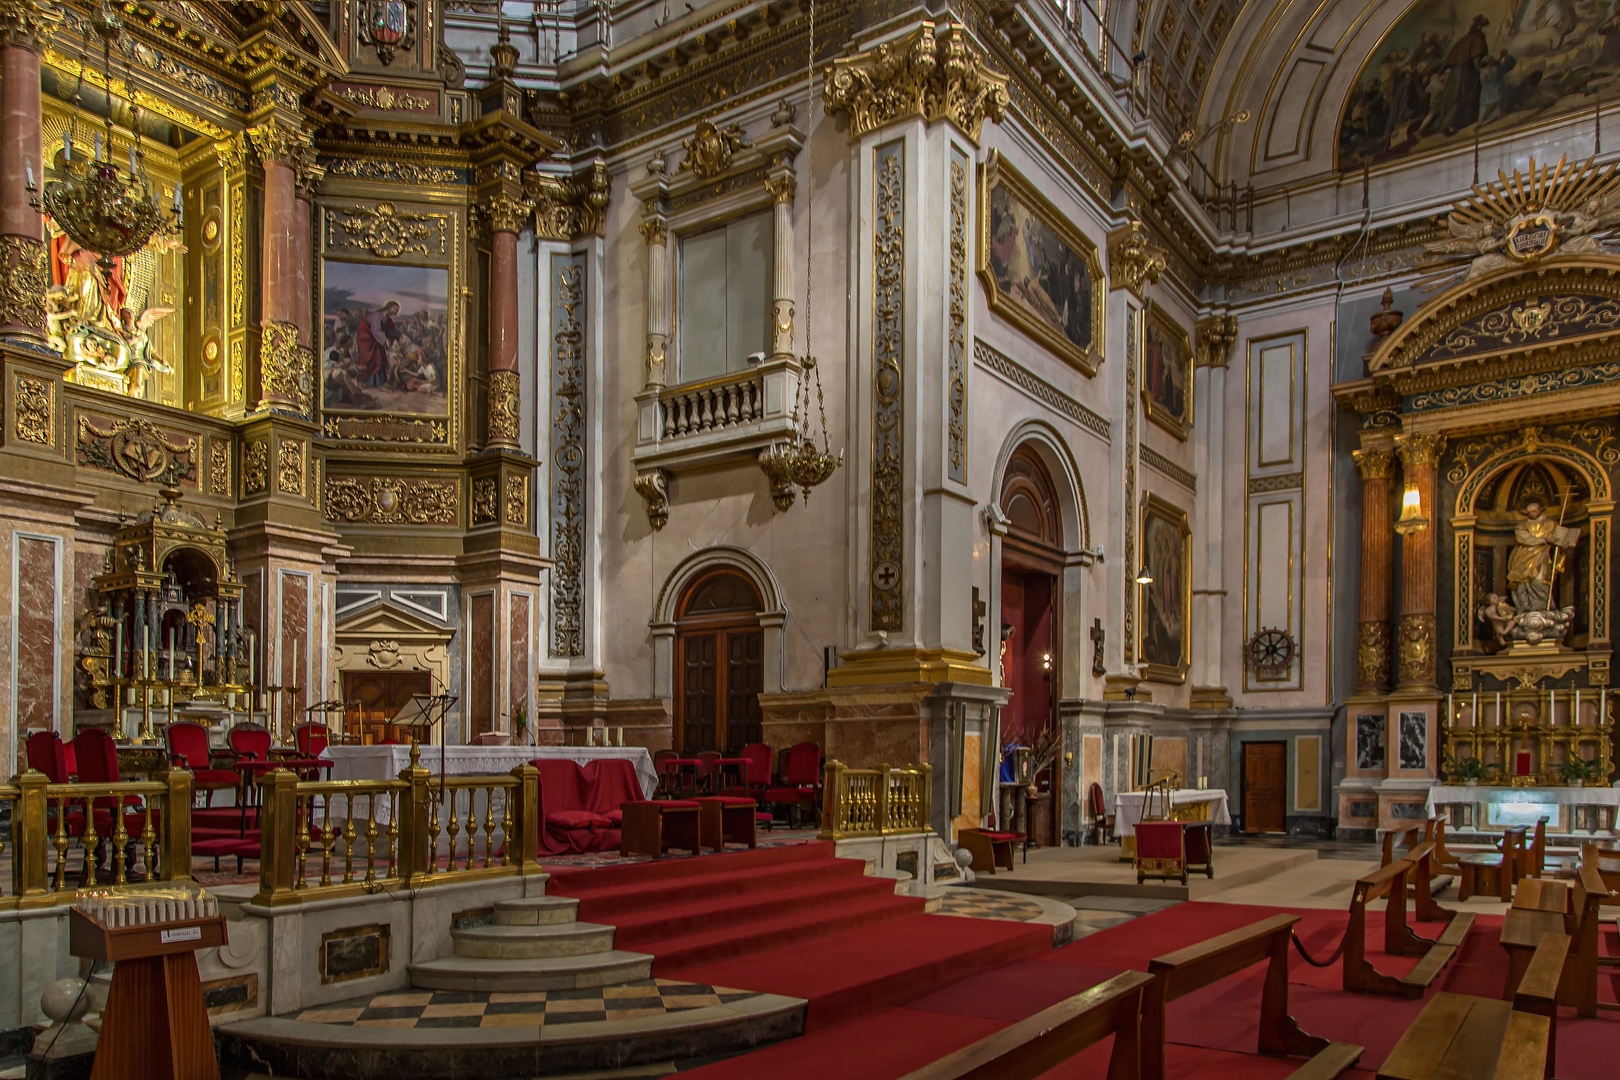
<point>1581,923</point>
<point>1498,870</point>
<point>1463,1037</point>
<point>1041,1042</point>
<point>1389,882</point>
<point>1408,837</point>
<point>1197,966</point>
<point>1537,992</point>
<point>1458,923</point>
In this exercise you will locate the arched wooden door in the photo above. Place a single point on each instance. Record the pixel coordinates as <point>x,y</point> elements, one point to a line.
<point>719,664</point>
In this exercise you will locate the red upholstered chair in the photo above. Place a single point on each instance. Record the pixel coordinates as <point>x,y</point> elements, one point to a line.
<point>567,827</point>
<point>47,753</point>
<point>708,769</point>
<point>188,747</point>
<point>798,779</point>
<point>1102,822</point>
<point>758,778</point>
<point>312,739</point>
<point>663,765</point>
<point>97,756</point>
<point>249,742</point>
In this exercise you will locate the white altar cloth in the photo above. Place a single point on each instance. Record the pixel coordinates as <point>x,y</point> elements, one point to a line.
<point>1452,794</point>
<point>387,762</point>
<point>1128,807</point>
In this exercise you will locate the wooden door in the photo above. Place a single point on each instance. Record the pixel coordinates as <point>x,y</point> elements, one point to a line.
<point>382,694</point>
<point>1265,787</point>
<point>700,690</point>
<point>720,667</point>
<point>744,679</point>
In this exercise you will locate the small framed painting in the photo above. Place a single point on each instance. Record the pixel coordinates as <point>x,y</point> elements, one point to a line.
<point>1163,639</point>
<point>1167,369</point>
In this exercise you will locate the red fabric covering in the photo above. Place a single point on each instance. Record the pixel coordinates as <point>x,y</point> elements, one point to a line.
<point>48,754</point>
<point>1159,840</point>
<point>569,829</point>
<point>609,783</point>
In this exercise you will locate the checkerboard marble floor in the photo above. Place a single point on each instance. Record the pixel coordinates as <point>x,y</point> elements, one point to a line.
<point>982,904</point>
<point>457,1009</point>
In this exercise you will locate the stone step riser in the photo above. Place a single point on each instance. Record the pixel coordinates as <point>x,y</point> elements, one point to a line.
<point>545,911</point>
<point>469,974</point>
<point>584,943</point>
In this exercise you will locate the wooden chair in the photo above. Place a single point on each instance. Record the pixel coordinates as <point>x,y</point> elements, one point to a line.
<point>1587,896</point>
<point>1494,871</point>
<point>1035,1045</point>
<point>1186,970</point>
<point>1463,1037</point>
<point>1102,822</point>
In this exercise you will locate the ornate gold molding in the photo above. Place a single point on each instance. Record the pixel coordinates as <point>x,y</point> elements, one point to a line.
<point>290,467</point>
<point>392,500</point>
<point>23,281</point>
<point>34,410</point>
<point>1417,649</point>
<point>1374,464</point>
<point>387,231</point>
<point>710,149</point>
<point>1216,334</point>
<point>782,489</point>
<point>1419,449</point>
<point>386,99</point>
<point>483,500</point>
<point>507,212</point>
<point>655,232</point>
<point>256,467</point>
<point>1134,260</point>
<point>517,500</point>
<point>278,142</point>
<point>940,76</point>
<point>27,23</point>
<point>219,469</point>
<point>783,189</point>
<point>284,369</point>
<point>1372,656</point>
<point>504,408</point>
<point>138,449</point>
<point>653,487</point>
<point>568,208</point>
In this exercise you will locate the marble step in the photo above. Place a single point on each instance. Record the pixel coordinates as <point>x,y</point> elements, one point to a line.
<point>553,973</point>
<point>536,911</point>
<point>531,942</point>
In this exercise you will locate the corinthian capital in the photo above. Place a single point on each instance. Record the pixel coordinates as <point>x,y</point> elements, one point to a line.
<point>507,212</point>
<point>933,76</point>
<point>27,23</point>
<point>1374,464</point>
<point>1134,260</point>
<point>1216,336</point>
<point>279,143</point>
<point>566,208</point>
<point>1419,450</point>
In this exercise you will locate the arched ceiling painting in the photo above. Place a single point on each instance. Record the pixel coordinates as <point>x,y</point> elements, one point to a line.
<point>1449,67</point>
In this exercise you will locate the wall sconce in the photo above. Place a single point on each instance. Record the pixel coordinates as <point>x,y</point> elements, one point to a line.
<point>1046,662</point>
<point>1412,519</point>
<point>1144,576</point>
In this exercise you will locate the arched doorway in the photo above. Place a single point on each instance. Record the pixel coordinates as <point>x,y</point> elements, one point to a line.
<point>1032,563</point>
<point>719,663</point>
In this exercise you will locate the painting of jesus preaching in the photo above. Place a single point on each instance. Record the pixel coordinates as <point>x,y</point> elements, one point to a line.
<point>385,339</point>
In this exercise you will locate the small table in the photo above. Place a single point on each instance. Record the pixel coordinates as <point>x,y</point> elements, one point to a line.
<point>1538,906</point>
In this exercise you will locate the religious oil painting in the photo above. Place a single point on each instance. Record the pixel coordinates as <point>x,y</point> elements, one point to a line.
<point>1414,734</point>
<point>1453,70</point>
<point>1039,272</point>
<point>385,338</point>
<point>1163,630</point>
<point>1370,741</point>
<point>1167,363</point>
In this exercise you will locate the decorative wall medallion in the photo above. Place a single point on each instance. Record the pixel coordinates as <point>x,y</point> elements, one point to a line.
<point>710,149</point>
<point>290,467</point>
<point>34,410</point>
<point>392,500</point>
<point>23,280</point>
<point>1529,319</point>
<point>653,487</point>
<point>568,456</point>
<point>956,360</point>
<point>517,500</point>
<point>383,654</point>
<point>256,467</point>
<point>1532,237</point>
<point>483,500</point>
<point>388,26</point>
<point>887,554</point>
<point>388,232</point>
<point>137,449</point>
<point>210,355</point>
<point>1372,656</point>
<point>219,469</point>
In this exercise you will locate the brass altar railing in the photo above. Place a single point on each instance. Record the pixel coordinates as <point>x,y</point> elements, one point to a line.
<point>882,801</point>
<point>1500,727</point>
<point>143,826</point>
<point>323,839</point>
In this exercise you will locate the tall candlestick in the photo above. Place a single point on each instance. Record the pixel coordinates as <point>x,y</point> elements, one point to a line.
<point>1603,701</point>
<point>1499,708</point>
<point>146,651</point>
<point>1451,710</point>
<point>1575,714</point>
<point>118,649</point>
<point>295,662</point>
<point>171,654</point>
<point>1473,720</point>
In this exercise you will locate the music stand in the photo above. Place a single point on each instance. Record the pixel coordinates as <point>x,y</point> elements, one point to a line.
<point>327,708</point>
<point>426,711</point>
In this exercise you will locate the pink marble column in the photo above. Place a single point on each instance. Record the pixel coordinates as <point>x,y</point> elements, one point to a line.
<point>301,269</point>
<point>22,304</point>
<point>280,290</point>
<point>507,214</point>
<point>285,378</point>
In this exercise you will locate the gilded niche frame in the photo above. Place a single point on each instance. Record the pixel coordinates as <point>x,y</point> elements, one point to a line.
<point>1161,334</point>
<point>396,233</point>
<point>1008,206</point>
<point>1166,541</point>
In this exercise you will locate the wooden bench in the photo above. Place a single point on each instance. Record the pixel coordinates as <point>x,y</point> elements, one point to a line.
<point>1054,1035</point>
<point>1463,1037</point>
<point>1389,882</point>
<point>989,849</point>
<point>1494,870</point>
<point>1458,923</point>
<point>1588,893</point>
<point>1408,836</point>
<point>1186,970</point>
<point>652,828</point>
<point>1537,992</point>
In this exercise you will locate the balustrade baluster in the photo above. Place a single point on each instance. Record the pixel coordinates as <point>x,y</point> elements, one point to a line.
<point>732,395</point>
<point>668,425</point>
<point>506,825</point>
<point>327,840</point>
<point>489,826</point>
<point>687,413</point>
<point>752,397</point>
<point>348,838</point>
<point>433,839</point>
<point>61,844</point>
<point>120,839</point>
<point>391,838</point>
<point>371,836</point>
<point>149,843</point>
<point>303,821</point>
<point>453,831</point>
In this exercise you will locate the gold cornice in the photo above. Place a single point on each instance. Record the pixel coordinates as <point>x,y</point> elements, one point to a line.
<point>28,23</point>
<point>922,74</point>
<point>566,208</point>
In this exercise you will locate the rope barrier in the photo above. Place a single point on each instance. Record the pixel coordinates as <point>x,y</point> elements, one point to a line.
<point>1299,947</point>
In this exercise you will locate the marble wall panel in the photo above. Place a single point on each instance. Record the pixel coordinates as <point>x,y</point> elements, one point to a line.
<point>295,628</point>
<point>36,608</point>
<point>518,663</point>
<point>481,666</point>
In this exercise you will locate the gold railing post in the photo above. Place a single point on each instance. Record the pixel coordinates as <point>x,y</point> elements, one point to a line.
<point>880,818</point>
<point>528,817</point>
<point>925,798</point>
<point>278,838</point>
<point>30,836</point>
<point>176,826</point>
<point>832,800</point>
<point>415,845</point>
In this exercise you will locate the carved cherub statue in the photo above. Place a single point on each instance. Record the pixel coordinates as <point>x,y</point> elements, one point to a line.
<point>1501,614</point>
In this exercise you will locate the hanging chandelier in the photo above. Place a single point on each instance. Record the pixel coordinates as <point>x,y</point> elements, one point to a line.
<point>106,211</point>
<point>799,460</point>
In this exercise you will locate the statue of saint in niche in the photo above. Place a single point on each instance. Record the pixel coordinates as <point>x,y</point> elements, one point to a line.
<point>1538,556</point>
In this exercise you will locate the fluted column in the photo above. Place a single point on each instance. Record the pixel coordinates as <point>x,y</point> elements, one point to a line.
<point>284,378</point>
<point>783,188</point>
<point>656,232</point>
<point>1377,568</point>
<point>507,212</point>
<point>24,25</point>
<point>1416,638</point>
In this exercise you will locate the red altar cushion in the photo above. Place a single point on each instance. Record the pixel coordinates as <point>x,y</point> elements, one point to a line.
<point>574,819</point>
<point>999,837</point>
<point>790,794</point>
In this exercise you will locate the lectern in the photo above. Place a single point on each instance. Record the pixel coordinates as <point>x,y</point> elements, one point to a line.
<point>154,1026</point>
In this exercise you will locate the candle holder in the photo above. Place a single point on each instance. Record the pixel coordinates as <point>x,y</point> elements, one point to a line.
<point>147,734</point>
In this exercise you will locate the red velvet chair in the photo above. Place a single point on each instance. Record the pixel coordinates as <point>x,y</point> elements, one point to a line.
<point>312,739</point>
<point>97,756</point>
<point>567,827</point>
<point>758,777</point>
<point>708,770</point>
<point>47,753</point>
<point>798,779</point>
<point>249,742</point>
<point>1102,822</point>
<point>188,747</point>
<point>664,766</point>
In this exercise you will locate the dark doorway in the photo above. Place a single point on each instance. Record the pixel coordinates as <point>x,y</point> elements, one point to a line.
<point>382,694</point>
<point>1265,787</point>
<point>719,664</point>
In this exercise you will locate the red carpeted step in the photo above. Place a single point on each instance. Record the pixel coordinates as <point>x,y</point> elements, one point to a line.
<point>567,879</point>
<point>616,902</point>
<point>644,930</point>
<point>760,935</point>
<point>852,972</point>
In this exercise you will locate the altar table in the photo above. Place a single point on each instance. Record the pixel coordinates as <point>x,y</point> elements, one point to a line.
<point>1202,805</point>
<point>387,762</point>
<point>1524,805</point>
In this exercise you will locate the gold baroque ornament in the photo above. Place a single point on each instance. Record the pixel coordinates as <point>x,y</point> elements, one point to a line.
<point>405,172</point>
<point>255,467</point>
<point>886,567</point>
<point>1374,464</point>
<point>386,99</point>
<point>278,143</point>
<point>653,487</point>
<point>34,410</point>
<point>137,449</point>
<point>387,232</point>
<point>507,212</point>
<point>568,208</point>
<point>391,500</point>
<point>941,77</point>
<point>710,149</point>
<point>1417,649</point>
<point>1419,449</point>
<point>290,471</point>
<point>504,407</point>
<point>517,500</point>
<point>23,280</point>
<point>284,374</point>
<point>1134,260</point>
<point>219,469</point>
<point>27,23</point>
<point>483,500</point>
<point>1216,334</point>
<point>1372,656</point>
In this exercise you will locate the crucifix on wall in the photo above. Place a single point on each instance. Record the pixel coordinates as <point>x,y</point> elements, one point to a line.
<point>1098,636</point>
